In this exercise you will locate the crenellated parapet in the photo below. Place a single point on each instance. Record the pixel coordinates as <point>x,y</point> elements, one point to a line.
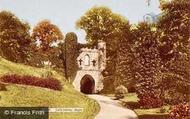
<point>88,50</point>
<point>92,58</point>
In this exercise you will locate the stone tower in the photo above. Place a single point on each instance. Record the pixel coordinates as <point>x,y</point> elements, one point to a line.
<point>91,63</point>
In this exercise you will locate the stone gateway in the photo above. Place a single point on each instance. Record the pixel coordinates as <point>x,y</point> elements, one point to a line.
<point>91,63</point>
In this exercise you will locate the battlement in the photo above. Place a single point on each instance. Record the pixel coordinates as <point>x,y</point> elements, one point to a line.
<point>89,50</point>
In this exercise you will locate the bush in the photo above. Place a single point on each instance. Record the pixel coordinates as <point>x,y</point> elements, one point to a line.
<point>120,91</point>
<point>175,90</point>
<point>162,110</point>
<point>50,83</point>
<point>181,111</point>
<point>148,100</point>
<point>2,87</point>
<point>48,74</point>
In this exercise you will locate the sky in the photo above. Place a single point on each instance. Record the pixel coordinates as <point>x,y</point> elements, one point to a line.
<point>65,13</point>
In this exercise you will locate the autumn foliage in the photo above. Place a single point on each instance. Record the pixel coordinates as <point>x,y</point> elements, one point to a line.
<point>46,33</point>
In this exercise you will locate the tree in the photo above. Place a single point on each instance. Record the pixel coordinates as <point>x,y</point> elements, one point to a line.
<point>124,65</point>
<point>100,23</point>
<point>46,37</point>
<point>14,38</point>
<point>69,53</point>
<point>174,50</point>
<point>174,24</point>
<point>147,65</point>
<point>47,33</point>
<point>36,56</point>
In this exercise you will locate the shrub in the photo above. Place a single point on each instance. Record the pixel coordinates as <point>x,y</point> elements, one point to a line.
<point>50,83</point>
<point>162,110</point>
<point>149,100</point>
<point>175,90</point>
<point>120,91</point>
<point>48,74</point>
<point>2,87</point>
<point>181,111</point>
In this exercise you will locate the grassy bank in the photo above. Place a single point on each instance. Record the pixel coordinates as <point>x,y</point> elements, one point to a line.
<point>22,95</point>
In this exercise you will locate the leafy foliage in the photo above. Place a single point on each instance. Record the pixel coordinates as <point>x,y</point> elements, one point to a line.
<point>14,38</point>
<point>69,51</point>
<point>120,91</point>
<point>162,56</point>
<point>50,83</point>
<point>174,25</point>
<point>46,33</point>
<point>174,50</point>
<point>147,64</point>
<point>150,100</point>
<point>124,64</point>
<point>174,89</point>
<point>100,23</point>
<point>46,37</point>
<point>181,111</point>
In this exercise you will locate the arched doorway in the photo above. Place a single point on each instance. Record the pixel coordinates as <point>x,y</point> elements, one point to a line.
<point>87,84</point>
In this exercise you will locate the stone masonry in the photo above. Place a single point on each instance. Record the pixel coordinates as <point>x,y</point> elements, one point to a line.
<point>91,63</point>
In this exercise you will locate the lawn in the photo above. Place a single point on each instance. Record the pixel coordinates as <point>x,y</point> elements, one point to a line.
<point>31,96</point>
<point>130,97</point>
<point>154,113</point>
<point>131,101</point>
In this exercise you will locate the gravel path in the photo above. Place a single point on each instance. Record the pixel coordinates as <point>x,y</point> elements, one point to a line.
<point>110,109</point>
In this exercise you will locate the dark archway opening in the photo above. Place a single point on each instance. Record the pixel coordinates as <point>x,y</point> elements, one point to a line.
<point>87,84</point>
